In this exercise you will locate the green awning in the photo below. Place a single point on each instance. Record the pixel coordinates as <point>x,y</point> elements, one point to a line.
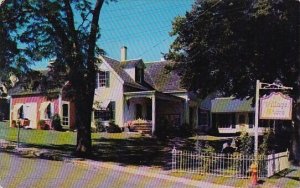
<point>229,105</point>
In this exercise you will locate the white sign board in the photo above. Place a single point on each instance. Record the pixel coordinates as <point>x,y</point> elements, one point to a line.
<point>276,106</point>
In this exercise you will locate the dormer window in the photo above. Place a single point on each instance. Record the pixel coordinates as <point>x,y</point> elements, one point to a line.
<point>102,79</point>
<point>139,75</point>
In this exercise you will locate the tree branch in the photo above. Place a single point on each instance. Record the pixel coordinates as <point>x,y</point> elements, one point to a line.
<point>71,25</point>
<point>93,34</point>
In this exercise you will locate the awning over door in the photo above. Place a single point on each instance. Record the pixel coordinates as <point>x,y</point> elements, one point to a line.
<point>230,105</point>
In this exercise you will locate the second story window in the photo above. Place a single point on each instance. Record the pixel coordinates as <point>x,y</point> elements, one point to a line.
<point>102,79</point>
<point>139,75</point>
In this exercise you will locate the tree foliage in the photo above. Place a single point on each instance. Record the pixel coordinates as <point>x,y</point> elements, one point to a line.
<point>63,30</point>
<point>223,45</point>
<point>226,45</point>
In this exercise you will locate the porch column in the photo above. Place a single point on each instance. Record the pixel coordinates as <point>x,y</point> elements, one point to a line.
<point>153,113</point>
<point>186,111</point>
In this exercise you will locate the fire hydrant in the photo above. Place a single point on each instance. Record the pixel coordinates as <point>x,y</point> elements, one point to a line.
<point>253,170</point>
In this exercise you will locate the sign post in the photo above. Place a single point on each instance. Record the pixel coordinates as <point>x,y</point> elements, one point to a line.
<point>274,106</point>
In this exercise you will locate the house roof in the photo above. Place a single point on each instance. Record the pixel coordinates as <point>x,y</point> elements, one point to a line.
<point>162,79</point>
<point>117,67</point>
<point>131,63</point>
<point>228,105</point>
<point>23,87</point>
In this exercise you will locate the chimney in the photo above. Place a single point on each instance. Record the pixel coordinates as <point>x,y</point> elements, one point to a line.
<point>123,53</point>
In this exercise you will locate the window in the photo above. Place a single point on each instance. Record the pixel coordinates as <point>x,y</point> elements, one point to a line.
<point>21,112</point>
<point>48,112</point>
<point>251,119</point>
<point>139,75</point>
<point>102,79</point>
<point>202,118</point>
<point>225,120</point>
<point>242,119</point>
<point>106,114</point>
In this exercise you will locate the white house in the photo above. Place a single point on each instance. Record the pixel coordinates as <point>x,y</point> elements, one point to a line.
<point>127,90</point>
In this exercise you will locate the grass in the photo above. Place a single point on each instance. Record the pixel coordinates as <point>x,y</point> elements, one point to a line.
<point>135,150</point>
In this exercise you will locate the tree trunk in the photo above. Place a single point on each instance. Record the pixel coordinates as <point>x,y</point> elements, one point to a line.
<point>83,124</point>
<point>295,155</point>
<point>84,85</point>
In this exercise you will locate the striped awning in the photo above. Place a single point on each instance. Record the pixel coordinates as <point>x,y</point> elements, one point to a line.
<point>230,105</point>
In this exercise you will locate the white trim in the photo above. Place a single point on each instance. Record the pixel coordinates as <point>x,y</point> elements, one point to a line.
<point>68,103</point>
<point>111,69</point>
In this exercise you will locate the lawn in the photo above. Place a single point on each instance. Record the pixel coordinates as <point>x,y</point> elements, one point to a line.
<point>123,148</point>
<point>131,149</point>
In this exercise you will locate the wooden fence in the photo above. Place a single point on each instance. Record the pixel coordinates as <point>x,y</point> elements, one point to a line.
<point>228,165</point>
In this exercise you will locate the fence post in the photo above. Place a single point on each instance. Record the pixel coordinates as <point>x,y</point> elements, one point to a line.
<point>174,158</point>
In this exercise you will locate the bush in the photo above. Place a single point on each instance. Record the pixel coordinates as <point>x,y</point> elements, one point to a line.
<point>164,129</point>
<point>185,130</point>
<point>42,124</point>
<point>113,128</point>
<point>213,131</point>
<point>99,126</point>
<point>245,143</point>
<point>56,123</point>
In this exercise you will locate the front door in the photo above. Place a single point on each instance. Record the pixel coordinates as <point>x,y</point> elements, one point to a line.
<point>30,112</point>
<point>65,115</point>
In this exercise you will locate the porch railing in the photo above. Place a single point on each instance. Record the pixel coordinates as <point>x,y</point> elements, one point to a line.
<point>227,165</point>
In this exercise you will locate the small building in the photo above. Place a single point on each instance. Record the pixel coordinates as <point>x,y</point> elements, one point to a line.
<point>35,105</point>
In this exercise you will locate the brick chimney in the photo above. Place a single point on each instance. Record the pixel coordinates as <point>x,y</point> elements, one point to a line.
<point>123,53</point>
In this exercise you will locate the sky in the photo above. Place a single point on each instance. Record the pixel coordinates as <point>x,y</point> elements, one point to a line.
<point>141,25</point>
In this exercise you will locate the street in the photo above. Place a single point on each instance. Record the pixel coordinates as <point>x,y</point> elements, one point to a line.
<point>25,172</point>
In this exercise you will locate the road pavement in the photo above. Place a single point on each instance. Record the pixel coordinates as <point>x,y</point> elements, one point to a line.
<point>22,172</point>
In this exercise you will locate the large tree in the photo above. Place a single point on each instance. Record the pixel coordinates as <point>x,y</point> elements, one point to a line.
<point>64,30</point>
<point>226,45</point>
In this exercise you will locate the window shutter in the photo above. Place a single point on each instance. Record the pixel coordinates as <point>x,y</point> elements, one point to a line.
<point>107,78</point>
<point>112,110</point>
<point>96,80</point>
<point>52,109</point>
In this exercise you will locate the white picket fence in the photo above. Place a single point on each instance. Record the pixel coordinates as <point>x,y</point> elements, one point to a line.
<point>228,165</point>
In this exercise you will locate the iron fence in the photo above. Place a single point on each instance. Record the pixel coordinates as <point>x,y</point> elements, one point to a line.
<point>227,165</point>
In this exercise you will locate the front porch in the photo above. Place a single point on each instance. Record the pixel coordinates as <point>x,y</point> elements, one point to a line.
<point>147,108</point>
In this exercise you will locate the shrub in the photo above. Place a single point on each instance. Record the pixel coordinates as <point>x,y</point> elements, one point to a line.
<point>99,126</point>
<point>42,124</point>
<point>245,143</point>
<point>164,129</point>
<point>113,128</point>
<point>268,143</point>
<point>185,130</point>
<point>56,122</point>
<point>214,131</point>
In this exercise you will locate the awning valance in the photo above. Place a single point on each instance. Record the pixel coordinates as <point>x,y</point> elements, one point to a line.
<point>230,105</point>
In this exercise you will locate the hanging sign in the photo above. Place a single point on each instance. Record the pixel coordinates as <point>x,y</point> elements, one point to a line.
<point>276,106</point>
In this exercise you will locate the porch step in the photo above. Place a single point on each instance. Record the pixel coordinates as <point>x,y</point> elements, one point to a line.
<point>142,128</point>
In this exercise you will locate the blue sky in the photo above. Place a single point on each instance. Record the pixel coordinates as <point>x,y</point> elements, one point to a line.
<point>141,25</point>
